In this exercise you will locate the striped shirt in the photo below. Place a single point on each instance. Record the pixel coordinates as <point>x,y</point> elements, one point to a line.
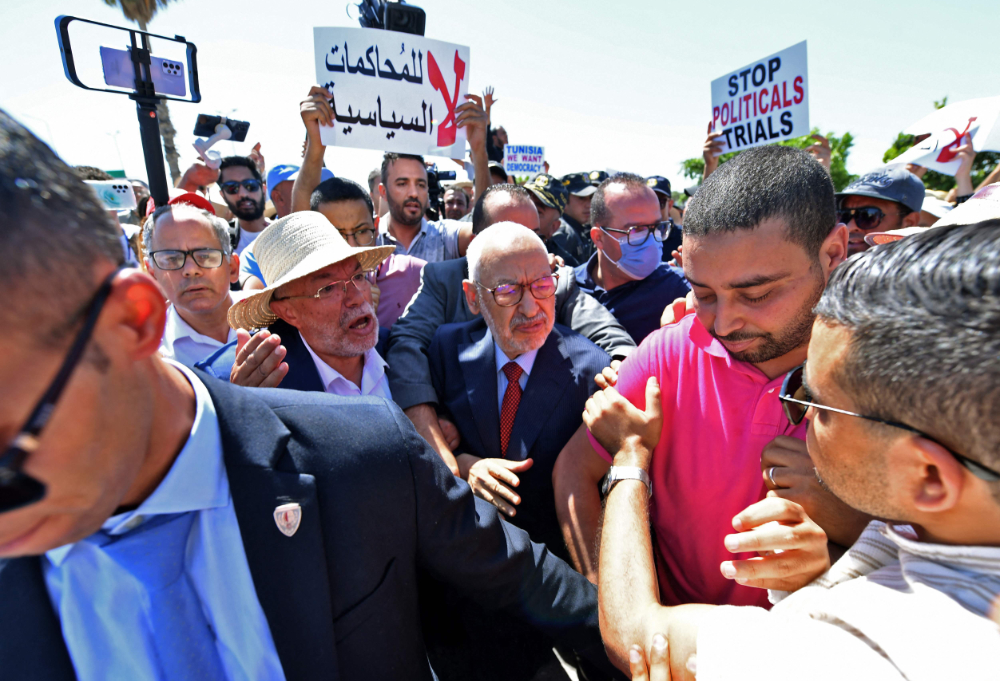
<point>892,608</point>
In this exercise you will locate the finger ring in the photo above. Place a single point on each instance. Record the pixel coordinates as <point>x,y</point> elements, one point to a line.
<point>770,476</point>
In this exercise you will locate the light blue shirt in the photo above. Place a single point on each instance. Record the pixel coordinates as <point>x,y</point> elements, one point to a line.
<point>99,605</point>
<point>526,361</point>
<point>436,241</point>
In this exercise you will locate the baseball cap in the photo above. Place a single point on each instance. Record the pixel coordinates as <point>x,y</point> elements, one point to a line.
<point>596,177</point>
<point>692,190</point>
<point>578,184</point>
<point>549,191</point>
<point>983,205</point>
<point>282,173</point>
<point>196,200</point>
<point>892,183</point>
<point>659,184</point>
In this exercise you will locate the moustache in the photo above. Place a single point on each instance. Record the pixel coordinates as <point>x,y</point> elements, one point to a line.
<point>519,320</point>
<point>349,316</point>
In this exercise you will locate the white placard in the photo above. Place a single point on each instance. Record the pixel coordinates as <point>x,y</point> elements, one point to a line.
<point>763,102</point>
<point>392,91</point>
<point>523,159</point>
<point>948,129</point>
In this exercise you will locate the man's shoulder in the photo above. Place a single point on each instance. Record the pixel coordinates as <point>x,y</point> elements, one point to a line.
<point>583,352</point>
<point>446,269</point>
<point>676,344</point>
<point>665,275</point>
<point>458,333</point>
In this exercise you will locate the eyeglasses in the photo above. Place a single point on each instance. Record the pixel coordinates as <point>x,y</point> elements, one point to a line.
<point>637,235</point>
<point>18,489</point>
<point>335,289</point>
<point>362,237</point>
<point>866,218</point>
<point>509,295</point>
<point>206,258</point>
<point>233,187</point>
<point>662,198</point>
<point>796,400</point>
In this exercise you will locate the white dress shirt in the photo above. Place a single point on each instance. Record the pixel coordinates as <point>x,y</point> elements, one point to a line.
<point>86,586</point>
<point>183,344</point>
<point>526,361</point>
<point>373,380</point>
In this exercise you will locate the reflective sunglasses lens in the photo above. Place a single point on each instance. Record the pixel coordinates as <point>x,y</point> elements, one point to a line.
<point>867,218</point>
<point>251,185</point>
<point>231,188</point>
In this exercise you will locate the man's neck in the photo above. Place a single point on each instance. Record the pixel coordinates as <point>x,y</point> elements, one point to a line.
<point>351,368</point>
<point>404,234</point>
<point>213,323</point>
<point>782,365</point>
<point>257,225</point>
<point>606,274</point>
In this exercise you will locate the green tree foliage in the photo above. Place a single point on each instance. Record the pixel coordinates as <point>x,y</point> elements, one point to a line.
<point>840,149</point>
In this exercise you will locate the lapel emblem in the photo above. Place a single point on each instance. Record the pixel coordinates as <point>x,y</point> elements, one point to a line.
<point>287,517</point>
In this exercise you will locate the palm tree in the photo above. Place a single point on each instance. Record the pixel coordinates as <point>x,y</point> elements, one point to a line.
<point>142,12</point>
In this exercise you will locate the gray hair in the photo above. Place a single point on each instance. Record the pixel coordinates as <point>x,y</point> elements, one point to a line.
<point>220,226</point>
<point>599,213</point>
<point>502,235</point>
<point>924,318</point>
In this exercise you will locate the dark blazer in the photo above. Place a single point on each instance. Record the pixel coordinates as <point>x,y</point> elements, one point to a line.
<point>302,373</point>
<point>462,358</point>
<point>440,300</point>
<point>340,595</point>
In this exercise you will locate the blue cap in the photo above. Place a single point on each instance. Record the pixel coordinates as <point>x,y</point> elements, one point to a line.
<point>892,183</point>
<point>285,172</point>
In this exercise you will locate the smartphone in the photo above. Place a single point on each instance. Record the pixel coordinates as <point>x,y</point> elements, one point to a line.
<point>116,195</point>
<point>205,127</point>
<point>168,75</point>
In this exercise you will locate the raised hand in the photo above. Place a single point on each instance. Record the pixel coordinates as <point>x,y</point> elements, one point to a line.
<point>626,433</point>
<point>711,151</point>
<point>488,99</point>
<point>820,151</point>
<point>258,159</point>
<point>495,479</point>
<point>315,111</point>
<point>258,360</point>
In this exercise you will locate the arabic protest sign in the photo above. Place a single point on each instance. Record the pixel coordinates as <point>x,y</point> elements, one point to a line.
<point>392,91</point>
<point>948,127</point>
<point>523,159</point>
<point>763,102</point>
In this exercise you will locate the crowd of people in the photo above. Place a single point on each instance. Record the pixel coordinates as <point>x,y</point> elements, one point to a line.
<point>294,426</point>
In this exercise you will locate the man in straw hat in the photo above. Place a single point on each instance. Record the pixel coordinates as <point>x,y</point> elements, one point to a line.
<point>317,310</point>
<point>156,523</point>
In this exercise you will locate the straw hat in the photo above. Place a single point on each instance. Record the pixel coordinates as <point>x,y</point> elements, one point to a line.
<point>290,248</point>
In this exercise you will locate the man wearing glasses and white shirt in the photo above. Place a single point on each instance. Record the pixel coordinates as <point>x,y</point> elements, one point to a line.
<point>626,274</point>
<point>189,253</point>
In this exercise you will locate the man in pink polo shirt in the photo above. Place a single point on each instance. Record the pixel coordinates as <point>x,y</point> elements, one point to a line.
<point>760,241</point>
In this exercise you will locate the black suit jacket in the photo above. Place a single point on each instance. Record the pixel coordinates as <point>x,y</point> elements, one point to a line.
<point>340,595</point>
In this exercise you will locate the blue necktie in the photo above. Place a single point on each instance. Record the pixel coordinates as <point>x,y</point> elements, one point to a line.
<point>154,554</point>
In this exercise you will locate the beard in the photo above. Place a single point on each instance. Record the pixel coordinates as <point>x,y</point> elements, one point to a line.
<point>246,212</point>
<point>396,210</point>
<point>795,334</point>
<point>339,341</point>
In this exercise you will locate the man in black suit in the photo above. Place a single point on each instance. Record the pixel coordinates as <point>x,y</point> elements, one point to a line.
<point>514,383</point>
<point>440,300</point>
<point>325,507</point>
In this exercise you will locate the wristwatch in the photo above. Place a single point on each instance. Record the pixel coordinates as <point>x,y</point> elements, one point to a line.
<point>616,473</point>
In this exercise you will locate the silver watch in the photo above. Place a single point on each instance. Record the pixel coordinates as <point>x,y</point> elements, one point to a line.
<point>617,473</point>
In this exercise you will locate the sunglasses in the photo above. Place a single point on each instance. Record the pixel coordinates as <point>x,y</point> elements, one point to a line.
<point>233,187</point>
<point>18,489</point>
<point>866,218</point>
<point>796,400</point>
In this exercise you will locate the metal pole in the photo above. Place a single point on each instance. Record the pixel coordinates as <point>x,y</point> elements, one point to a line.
<point>149,124</point>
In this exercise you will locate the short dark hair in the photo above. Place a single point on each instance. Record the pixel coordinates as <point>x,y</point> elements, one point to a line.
<point>92,173</point>
<point>924,318</point>
<point>374,177</point>
<point>338,189</point>
<point>599,213</point>
<point>499,173</point>
<point>762,183</point>
<point>242,162</point>
<point>53,232</point>
<point>458,190</point>
<point>391,157</point>
<point>481,219</point>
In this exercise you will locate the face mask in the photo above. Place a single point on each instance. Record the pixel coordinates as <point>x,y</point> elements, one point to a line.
<point>638,262</point>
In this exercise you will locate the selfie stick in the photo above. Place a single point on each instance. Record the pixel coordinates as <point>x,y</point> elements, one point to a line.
<point>213,159</point>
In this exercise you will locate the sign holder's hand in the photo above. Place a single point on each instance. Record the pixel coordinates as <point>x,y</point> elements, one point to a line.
<point>963,176</point>
<point>625,432</point>
<point>258,360</point>
<point>258,159</point>
<point>711,152</point>
<point>315,111</point>
<point>792,547</point>
<point>820,151</point>
<point>494,479</point>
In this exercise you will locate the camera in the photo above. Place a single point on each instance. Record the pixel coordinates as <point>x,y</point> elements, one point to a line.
<point>392,16</point>
<point>435,192</point>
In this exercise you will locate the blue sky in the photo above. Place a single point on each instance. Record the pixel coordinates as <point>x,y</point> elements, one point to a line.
<point>619,85</point>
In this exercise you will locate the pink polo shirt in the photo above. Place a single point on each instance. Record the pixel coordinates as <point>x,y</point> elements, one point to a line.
<point>718,415</point>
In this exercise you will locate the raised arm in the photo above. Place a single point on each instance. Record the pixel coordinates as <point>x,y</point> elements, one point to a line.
<point>315,110</point>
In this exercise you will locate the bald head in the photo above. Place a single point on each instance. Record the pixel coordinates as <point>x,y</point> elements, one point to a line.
<point>504,203</point>
<point>503,238</point>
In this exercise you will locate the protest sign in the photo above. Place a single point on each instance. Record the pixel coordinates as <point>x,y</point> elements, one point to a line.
<point>948,129</point>
<point>392,91</point>
<point>523,159</point>
<point>764,102</point>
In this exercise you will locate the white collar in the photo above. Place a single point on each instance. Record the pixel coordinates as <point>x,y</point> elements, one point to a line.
<point>372,373</point>
<point>176,327</point>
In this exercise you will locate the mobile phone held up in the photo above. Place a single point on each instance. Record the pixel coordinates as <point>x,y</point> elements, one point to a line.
<point>206,124</point>
<point>168,75</point>
<point>116,195</point>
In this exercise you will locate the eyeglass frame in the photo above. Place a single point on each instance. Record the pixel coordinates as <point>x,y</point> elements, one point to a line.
<point>366,275</point>
<point>853,216</point>
<point>225,186</point>
<point>27,439</point>
<point>520,288</point>
<point>650,229</point>
<point>974,467</point>
<point>358,231</point>
<point>190,253</point>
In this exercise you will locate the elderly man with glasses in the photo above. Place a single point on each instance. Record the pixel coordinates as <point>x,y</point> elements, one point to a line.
<point>626,273</point>
<point>189,254</point>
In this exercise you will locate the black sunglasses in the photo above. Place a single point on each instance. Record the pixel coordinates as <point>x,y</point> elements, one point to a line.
<point>796,400</point>
<point>866,218</point>
<point>18,489</point>
<point>233,187</point>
